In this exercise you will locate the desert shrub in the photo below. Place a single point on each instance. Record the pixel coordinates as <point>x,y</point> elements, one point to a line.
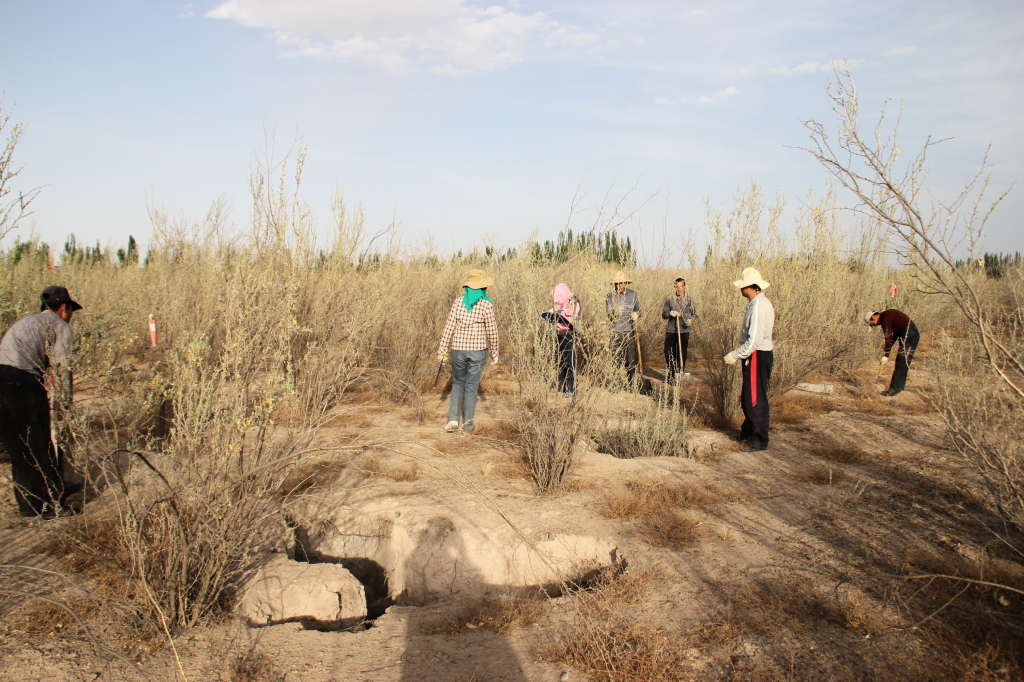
<point>982,394</point>
<point>661,430</point>
<point>609,638</point>
<point>642,497</point>
<point>817,297</point>
<point>983,411</point>
<point>548,430</point>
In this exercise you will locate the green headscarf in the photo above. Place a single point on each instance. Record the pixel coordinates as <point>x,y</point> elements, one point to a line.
<point>470,297</point>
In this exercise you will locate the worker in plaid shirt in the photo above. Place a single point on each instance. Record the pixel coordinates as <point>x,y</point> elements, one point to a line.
<point>470,331</point>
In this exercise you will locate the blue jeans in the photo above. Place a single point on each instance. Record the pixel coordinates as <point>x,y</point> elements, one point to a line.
<point>467,367</point>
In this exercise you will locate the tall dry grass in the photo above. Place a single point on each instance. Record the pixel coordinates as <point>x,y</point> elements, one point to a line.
<point>195,445</point>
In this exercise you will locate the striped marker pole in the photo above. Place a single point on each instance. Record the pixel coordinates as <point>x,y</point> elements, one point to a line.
<point>152,331</point>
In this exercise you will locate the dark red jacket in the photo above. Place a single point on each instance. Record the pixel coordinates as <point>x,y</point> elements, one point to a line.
<point>894,324</point>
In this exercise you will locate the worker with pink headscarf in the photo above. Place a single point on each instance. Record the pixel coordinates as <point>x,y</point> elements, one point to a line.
<point>565,315</point>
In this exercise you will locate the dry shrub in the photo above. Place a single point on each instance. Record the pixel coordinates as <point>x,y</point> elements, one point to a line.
<point>609,637</point>
<point>669,529</point>
<point>642,497</point>
<point>99,602</point>
<point>975,630</point>
<point>548,430</point>
<point>661,430</point>
<point>496,613</point>
<point>816,288</point>
<point>797,407</point>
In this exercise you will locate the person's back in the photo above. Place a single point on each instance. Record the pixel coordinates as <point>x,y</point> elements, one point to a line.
<point>34,342</point>
<point>31,346</point>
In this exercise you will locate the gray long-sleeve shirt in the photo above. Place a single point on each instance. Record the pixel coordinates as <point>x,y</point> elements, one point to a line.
<point>619,308</point>
<point>683,306</point>
<point>36,342</point>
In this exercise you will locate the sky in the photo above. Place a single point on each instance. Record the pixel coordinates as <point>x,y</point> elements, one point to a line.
<point>467,122</point>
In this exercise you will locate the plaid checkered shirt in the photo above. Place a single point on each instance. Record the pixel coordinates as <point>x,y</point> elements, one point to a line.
<point>475,329</point>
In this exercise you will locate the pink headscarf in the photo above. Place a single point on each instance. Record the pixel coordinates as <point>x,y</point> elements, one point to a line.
<point>566,305</point>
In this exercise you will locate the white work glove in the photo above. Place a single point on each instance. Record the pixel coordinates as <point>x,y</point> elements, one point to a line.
<point>674,313</point>
<point>634,316</point>
<point>441,357</point>
<point>730,358</point>
<point>883,360</point>
<point>688,321</point>
<point>494,358</point>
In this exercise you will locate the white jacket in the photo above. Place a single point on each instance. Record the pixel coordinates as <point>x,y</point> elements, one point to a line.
<point>758,324</point>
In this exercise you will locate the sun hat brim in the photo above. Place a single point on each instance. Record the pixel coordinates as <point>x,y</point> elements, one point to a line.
<point>741,283</point>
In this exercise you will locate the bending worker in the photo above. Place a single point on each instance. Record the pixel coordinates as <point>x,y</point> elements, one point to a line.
<point>756,352</point>
<point>623,308</point>
<point>896,326</point>
<point>32,345</point>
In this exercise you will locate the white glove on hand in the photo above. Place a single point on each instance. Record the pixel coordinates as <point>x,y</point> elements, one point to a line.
<point>441,357</point>
<point>494,358</point>
<point>634,316</point>
<point>883,360</point>
<point>688,321</point>
<point>729,358</point>
<point>674,313</point>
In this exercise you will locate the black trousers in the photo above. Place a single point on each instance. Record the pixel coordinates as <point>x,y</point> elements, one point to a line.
<point>624,351</point>
<point>25,434</point>
<point>757,372</point>
<point>904,356</point>
<point>673,343</point>
<point>566,353</point>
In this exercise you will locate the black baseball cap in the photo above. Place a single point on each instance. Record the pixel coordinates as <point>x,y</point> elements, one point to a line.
<point>53,297</point>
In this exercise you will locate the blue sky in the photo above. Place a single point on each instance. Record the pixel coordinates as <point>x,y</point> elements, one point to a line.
<point>467,121</point>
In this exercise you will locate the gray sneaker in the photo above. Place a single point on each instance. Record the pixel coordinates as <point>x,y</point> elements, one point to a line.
<point>468,427</point>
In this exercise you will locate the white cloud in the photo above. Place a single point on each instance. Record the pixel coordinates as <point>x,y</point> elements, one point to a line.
<point>717,97</point>
<point>450,37</point>
<point>816,67</point>
<point>902,51</point>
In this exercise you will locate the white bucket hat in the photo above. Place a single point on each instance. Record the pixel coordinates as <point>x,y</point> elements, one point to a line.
<point>868,315</point>
<point>750,277</point>
<point>621,278</point>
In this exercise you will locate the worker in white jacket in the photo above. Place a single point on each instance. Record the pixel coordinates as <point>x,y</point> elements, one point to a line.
<point>756,353</point>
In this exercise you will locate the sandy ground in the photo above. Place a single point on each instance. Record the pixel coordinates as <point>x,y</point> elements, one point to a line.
<point>795,553</point>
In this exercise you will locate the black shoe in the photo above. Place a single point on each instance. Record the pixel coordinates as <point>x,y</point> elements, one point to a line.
<point>756,446</point>
<point>889,392</point>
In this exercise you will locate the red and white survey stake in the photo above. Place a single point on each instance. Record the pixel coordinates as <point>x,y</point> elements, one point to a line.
<point>152,331</point>
<point>893,290</point>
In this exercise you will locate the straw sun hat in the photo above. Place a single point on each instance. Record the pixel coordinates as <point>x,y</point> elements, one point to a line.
<point>621,276</point>
<point>476,279</point>
<point>750,277</point>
